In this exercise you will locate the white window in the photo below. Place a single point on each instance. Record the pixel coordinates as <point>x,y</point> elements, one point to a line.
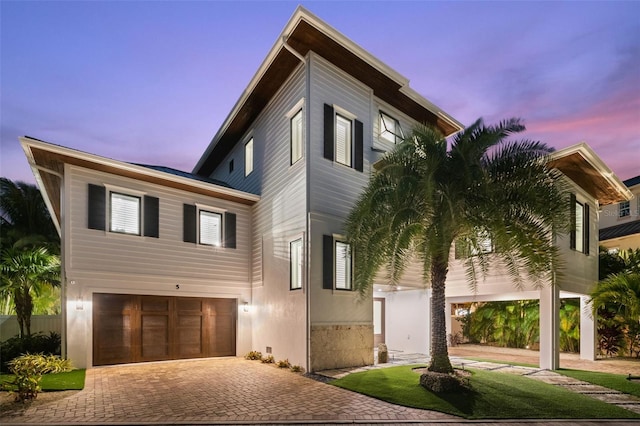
<point>248,157</point>
<point>343,266</point>
<point>579,225</point>
<point>485,245</point>
<point>390,129</point>
<point>624,209</point>
<point>296,137</point>
<point>210,228</point>
<point>343,140</point>
<point>295,265</point>
<point>125,214</point>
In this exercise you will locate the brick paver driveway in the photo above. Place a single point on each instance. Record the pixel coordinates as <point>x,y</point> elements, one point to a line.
<point>215,390</point>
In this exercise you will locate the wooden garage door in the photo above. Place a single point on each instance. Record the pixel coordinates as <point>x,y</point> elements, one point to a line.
<point>133,328</point>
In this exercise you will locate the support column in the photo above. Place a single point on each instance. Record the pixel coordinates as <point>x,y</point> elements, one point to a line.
<point>550,328</point>
<point>588,330</point>
<point>447,319</point>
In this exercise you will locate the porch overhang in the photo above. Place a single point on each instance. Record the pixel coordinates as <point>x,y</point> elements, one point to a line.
<point>583,166</point>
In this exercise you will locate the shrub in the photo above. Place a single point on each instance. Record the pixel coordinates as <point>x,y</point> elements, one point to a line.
<point>297,369</point>
<point>283,364</point>
<point>440,382</point>
<point>28,370</point>
<point>268,359</point>
<point>253,355</point>
<point>13,347</point>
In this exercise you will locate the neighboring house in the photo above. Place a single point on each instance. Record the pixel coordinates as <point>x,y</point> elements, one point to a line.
<point>620,223</point>
<point>247,252</point>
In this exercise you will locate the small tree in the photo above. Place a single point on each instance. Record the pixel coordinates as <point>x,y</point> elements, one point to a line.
<point>24,274</point>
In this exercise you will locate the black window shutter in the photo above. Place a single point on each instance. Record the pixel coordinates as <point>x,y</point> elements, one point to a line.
<point>327,262</point>
<point>151,217</point>
<point>97,219</point>
<point>329,132</point>
<point>358,154</point>
<point>230,230</point>
<point>189,222</point>
<point>586,228</point>
<point>572,215</point>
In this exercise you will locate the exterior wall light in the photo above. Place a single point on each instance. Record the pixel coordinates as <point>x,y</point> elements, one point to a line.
<point>245,306</point>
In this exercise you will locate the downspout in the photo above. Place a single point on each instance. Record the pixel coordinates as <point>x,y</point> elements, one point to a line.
<point>307,192</point>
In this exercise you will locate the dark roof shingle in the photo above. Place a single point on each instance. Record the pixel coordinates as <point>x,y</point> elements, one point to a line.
<point>621,230</point>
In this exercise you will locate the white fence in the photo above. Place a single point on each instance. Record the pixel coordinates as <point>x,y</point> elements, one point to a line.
<point>39,323</point>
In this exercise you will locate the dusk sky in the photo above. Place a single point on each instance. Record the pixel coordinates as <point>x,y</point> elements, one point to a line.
<point>151,82</point>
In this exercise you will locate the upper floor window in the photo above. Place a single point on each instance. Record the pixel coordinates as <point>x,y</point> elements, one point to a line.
<point>343,140</point>
<point>210,228</point>
<point>295,265</point>
<point>248,157</point>
<point>296,137</point>
<point>624,209</point>
<point>343,137</point>
<point>124,213</point>
<point>390,129</point>
<point>579,237</point>
<point>205,226</point>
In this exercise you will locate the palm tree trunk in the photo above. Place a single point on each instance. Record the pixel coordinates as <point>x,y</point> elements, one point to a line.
<point>439,353</point>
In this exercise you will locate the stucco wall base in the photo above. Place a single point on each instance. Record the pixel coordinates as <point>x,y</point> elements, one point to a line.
<point>340,346</point>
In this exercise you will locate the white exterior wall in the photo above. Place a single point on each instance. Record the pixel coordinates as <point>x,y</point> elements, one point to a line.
<point>579,272</point>
<point>407,320</point>
<point>104,262</point>
<point>278,218</point>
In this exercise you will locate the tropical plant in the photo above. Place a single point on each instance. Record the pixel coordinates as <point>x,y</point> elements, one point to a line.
<point>47,344</point>
<point>570,325</point>
<point>619,294</point>
<point>425,197</point>
<point>25,273</point>
<point>24,218</point>
<point>28,370</point>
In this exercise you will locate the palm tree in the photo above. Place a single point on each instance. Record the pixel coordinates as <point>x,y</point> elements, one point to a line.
<point>25,273</point>
<point>620,294</point>
<point>24,218</point>
<point>425,197</point>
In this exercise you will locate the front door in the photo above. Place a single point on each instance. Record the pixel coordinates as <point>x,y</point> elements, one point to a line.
<point>378,321</point>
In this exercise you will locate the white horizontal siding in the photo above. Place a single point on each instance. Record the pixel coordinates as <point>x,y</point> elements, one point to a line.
<point>167,256</point>
<point>39,324</point>
<point>334,187</point>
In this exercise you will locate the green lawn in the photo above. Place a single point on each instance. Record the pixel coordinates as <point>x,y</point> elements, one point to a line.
<point>72,380</point>
<point>608,380</point>
<point>492,395</point>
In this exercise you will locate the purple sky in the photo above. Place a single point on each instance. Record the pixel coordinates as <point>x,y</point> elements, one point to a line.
<point>151,82</point>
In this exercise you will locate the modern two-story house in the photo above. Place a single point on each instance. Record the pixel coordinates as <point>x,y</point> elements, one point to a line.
<point>247,251</point>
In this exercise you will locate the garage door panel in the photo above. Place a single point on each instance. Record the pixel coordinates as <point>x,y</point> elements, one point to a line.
<point>132,328</point>
<point>189,336</point>
<point>113,338</point>
<point>155,337</point>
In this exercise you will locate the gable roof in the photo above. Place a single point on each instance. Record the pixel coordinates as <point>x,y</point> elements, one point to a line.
<point>583,166</point>
<point>305,32</point>
<point>47,162</point>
